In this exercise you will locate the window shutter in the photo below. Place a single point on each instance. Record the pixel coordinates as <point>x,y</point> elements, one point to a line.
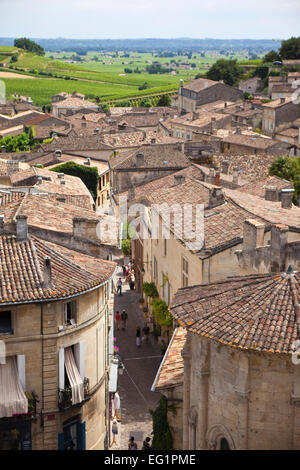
<point>61,441</point>
<point>22,370</point>
<point>79,357</point>
<point>61,369</point>
<point>81,435</point>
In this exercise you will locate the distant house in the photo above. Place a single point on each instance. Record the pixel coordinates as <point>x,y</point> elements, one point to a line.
<point>252,85</point>
<point>278,115</point>
<point>202,91</point>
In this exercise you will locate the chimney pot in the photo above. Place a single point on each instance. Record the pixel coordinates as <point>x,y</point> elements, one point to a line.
<point>282,100</point>
<point>235,176</point>
<point>139,159</point>
<point>218,180</point>
<point>253,235</point>
<point>62,181</point>
<point>287,198</point>
<point>225,167</point>
<point>179,179</point>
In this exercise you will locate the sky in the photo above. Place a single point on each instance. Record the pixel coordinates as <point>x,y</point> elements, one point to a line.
<point>104,19</point>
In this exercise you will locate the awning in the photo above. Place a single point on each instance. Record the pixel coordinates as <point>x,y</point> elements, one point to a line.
<point>12,397</point>
<point>74,377</point>
<point>113,377</point>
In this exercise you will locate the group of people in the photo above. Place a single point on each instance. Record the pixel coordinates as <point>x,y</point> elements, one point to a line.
<point>121,319</point>
<point>142,335</point>
<point>128,274</point>
<point>132,445</point>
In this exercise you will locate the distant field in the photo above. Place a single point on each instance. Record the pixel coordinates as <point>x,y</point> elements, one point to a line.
<point>102,74</point>
<point>41,89</point>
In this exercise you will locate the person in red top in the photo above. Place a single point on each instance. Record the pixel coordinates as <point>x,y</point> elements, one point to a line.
<point>118,319</point>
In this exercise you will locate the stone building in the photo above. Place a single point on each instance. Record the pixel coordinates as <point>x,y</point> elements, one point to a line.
<point>54,326</point>
<point>252,85</point>
<point>279,114</point>
<point>202,91</point>
<point>241,387</point>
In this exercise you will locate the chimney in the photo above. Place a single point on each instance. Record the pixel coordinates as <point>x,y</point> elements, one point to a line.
<point>12,166</point>
<point>238,130</point>
<point>271,193</point>
<point>96,130</point>
<point>182,147</point>
<point>131,193</point>
<point>85,229</point>
<point>211,177</point>
<point>62,181</point>
<point>1,222</point>
<point>39,180</point>
<point>218,180</point>
<point>235,176</point>
<point>3,149</point>
<point>216,197</point>
<point>225,105</point>
<point>287,198</point>
<point>225,167</point>
<point>140,159</point>
<point>279,234</point>
<point>195,115</point>
<point>153,140</point>
<point>144,135</point>
<point>22,228</point>
<point>282,100</point>
<point>181,83</point>
<point>57,153</point>
<point>60,175</point>
<point>179,179</point>
<point>47,272</point>
<point>253,235</point>
<point>87,162</point>
<point>213,124</point>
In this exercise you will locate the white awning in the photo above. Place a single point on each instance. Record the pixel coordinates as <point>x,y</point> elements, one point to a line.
<point>12,397</point>
<point>113,377</point>
<point>74,377</point>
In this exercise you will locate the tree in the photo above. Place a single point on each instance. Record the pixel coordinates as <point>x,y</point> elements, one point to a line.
<point>145,103</point>
<point>18,143</point>
<point>89,175</point>
<point>226,70</point>
<point>28,45</point>
<point>164,100</point>
<point>287,168</point>
<point>144,86</point>
<point>271,57</point>
<point>290,49</point>
<point>162,435</point>
<point>261,72</point>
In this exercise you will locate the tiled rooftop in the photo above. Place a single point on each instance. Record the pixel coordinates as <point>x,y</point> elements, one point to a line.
<point>257,188</point>
<point>200,84</point>
<point>257,312</point>
<point>252,167</point>
<point>171,372</point>
<point>21,271</point>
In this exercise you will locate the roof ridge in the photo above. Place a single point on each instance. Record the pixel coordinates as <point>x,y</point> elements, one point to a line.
<point>295,298</point>
<point>20,206</point>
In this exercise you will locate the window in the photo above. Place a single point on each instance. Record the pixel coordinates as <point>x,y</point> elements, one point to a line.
<point>155,269</point>
<point>224,444</point>
<point>5,322</point>
<point>185,273</point>
<point>70,312</point>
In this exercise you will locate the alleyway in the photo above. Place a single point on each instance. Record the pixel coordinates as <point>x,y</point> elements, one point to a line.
<point>141,365</point>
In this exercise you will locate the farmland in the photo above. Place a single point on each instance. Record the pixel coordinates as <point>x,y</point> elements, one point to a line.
<point>109,76</point>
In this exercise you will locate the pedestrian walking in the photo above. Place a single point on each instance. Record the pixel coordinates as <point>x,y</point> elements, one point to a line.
<point>146,331</point>
<point>114,430</point>
<point>124,270</point>
<point>132,280</point>
<point>132,445</point>
<point>119,286</point>
<point>117,407</point>
<point>124,317</point>
<point>118,319</point>
<point>138,336</point>
<point>146,444</point>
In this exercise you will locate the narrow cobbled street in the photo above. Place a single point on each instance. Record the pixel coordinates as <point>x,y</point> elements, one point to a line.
<point>141,365</point>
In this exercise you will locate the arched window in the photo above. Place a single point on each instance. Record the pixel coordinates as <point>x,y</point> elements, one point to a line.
<point>224,444</point>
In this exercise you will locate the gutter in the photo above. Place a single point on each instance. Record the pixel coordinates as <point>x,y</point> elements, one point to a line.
<point>163,361</point>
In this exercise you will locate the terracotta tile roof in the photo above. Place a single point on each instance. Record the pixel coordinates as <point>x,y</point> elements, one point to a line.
<point>283,88</point>
<point>155,156</point>
<point>270,211</point>
<point>290,132</point>
<point>257,312</point>
<point>204,119</point>
<point>250,141</point>
<point>171,372</point>
<point>92,142</point>
<point>21,271</point>
<point>252,167</point>
<point>143,190</point>
<point>71,102</point>
<point>200,84</point>
<point>43,213</point>
<point>277,103</point>
<point>257,188</point>
<point>136,139</point>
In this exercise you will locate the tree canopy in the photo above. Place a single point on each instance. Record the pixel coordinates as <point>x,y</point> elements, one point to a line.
<point>28,45</point>
<point>287,168</point>
<point>271,57</point>
<point>89,175</point>
<point>290,49</point>
<point>164,100</point>
<point>226,70</point>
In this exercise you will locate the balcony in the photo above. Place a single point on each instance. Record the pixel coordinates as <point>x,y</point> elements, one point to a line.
<point>65,396</point>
